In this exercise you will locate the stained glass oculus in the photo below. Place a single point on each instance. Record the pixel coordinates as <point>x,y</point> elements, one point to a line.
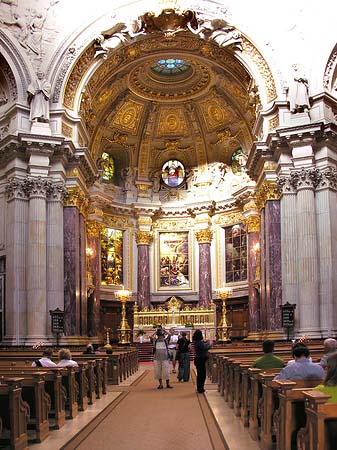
<point>170,66</point>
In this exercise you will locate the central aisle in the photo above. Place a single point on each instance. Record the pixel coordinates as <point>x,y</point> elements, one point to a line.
<point>167,419</point>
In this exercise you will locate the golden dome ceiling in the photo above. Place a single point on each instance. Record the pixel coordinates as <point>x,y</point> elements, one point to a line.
<point>143,116</point>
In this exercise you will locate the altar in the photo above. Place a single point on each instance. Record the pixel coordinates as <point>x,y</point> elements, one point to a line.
<point>173,314</point>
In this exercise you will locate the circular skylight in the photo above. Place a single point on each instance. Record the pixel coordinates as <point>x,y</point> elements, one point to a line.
<point>170,66</point>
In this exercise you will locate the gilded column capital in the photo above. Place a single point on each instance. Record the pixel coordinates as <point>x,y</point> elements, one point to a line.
<point>269,190</point>
<point>144,237</point>
<point>94,229</point>
<point>253,223</point>
<point>76,197</point>
<point>204,236</point>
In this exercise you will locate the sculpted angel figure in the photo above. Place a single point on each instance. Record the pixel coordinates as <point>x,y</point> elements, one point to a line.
<point>111,38</point>
<point>220,31</point>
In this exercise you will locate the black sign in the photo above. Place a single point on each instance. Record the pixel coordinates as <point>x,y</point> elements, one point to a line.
<point>57,321</point>
<point>288,315</point>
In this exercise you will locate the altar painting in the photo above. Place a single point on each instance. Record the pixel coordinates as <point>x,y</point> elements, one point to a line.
<point>236,253</point>
<point>112,257</point>
<point>174,260</point>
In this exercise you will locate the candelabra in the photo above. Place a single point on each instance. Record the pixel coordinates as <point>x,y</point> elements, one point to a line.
<point>107,345</point>
<point>223,292</point>
<point>124,329</point>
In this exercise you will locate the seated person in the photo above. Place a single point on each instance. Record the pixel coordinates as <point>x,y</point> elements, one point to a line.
<point>65,359</point>
<point>302,368</point>
<point>329,349</point>
<point>45,361</point>
<point>268,360</point>
<point>89,350</point>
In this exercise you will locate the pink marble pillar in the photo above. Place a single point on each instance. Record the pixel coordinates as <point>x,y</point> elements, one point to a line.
<point>253,288</point>
<point>204,238</point>
<point>272,234</point>
<point>94,267</point>
<point>72,288</point>
<point>143,240</point>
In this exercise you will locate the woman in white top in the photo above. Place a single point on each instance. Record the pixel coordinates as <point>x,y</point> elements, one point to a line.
<point>65,359</point>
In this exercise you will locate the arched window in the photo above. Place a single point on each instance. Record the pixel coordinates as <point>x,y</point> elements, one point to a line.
<point>173,173</point>
<point>108,167</point>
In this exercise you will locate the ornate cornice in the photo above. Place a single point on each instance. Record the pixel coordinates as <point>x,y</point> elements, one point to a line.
<point>94,229</point>
<point>253,224</point>
<point>76,197</point>
<point>204,236</point>
<point>144,237</point>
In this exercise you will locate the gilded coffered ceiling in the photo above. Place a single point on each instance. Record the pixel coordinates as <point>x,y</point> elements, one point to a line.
<point>199,107</point>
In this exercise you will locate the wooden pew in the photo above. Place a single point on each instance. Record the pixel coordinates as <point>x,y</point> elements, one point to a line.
<point>290,416</point>
<point>34,394</point>
<point>315,434</point>
<point>14,412</point>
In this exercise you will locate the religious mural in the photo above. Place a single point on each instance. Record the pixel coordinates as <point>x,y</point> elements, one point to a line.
<point>236,253</point>
<point>174,260</point>
<point>112,257</point>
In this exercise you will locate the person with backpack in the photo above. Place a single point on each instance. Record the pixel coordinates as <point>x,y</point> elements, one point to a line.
<point>45,361</point>
<point>161,359</point>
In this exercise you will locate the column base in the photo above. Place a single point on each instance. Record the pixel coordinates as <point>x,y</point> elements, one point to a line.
<point>263,335</point>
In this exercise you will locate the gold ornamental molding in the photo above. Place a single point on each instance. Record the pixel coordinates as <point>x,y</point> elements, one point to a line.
<point>229,218</point>
<point>255,56</point>
<point>94,229</point>
<point>253,224</point>
<point>144,237</point>
<point>120,222</point>
<point>76,197</point>
<point>204,236</point>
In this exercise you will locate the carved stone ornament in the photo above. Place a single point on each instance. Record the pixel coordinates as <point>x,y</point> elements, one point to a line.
<point>57,192</point>
<point>253,224</point>
<point>307,178</point>
<point>329,178</point>
<point>204,236</point>
<point>94,229</point>
<point>144,237</point>
<point>286,184</point>
<point>17,189</point>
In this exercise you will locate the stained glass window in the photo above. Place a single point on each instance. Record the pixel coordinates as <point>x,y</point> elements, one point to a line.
<point>173,173</point>
<point>236,253</point>
<point>170,66</point>
<point>108,167</point>
<point>112,257</point>
<point>174,261</point>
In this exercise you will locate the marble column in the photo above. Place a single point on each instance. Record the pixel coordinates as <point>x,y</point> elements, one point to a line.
<point>307,252</point>
<point>254,272</point>
<point>16,248</point>
<point>55,257</point>
<point>94,277</point>
<point>37,314</point>
<point>143,241</point>
<point>289,256</point>
<point>326,214</point>
<point>273,281</point>
<point>204,238</point>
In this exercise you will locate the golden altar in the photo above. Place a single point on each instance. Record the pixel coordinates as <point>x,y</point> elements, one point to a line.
<point>173,314</point>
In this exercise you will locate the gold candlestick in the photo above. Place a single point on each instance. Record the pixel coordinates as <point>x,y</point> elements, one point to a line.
<point>124,329</point>
<point>223,292</point>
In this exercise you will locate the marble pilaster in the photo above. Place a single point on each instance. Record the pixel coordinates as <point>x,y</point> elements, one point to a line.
<point>55,257</point>
<point>253,289</point>
<point>326,214</point>
<point>83,277</point>
<point>143,240</point>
